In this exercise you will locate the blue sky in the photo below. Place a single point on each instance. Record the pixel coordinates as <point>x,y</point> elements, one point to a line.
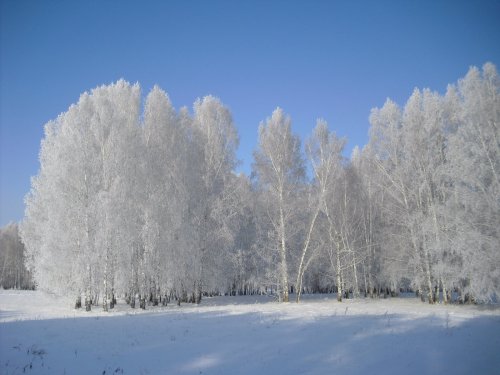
<point>329,59</point>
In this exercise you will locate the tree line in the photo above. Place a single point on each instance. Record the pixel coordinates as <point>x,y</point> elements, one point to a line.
<point>145,202</point>
<point>13,273</point>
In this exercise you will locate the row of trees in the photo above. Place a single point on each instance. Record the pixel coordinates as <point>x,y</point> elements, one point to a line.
<point>437,163</point>
<point>13,273</point>
<point>148,205</point>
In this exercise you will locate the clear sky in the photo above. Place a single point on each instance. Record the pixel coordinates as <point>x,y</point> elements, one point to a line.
<point>329,59</point>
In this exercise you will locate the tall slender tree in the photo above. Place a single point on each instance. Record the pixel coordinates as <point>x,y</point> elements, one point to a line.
<point>279,168</point>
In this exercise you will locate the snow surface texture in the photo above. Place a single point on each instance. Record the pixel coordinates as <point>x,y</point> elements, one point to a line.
<point>42,334</point>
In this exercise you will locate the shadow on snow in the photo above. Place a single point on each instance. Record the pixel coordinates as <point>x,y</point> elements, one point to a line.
<point>221,342</point>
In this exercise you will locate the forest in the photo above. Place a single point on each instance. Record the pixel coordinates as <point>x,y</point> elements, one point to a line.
<point>142,201</point>
<point>13,272</point>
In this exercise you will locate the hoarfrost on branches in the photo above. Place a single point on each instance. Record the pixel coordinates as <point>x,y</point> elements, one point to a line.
<point>148,206</point>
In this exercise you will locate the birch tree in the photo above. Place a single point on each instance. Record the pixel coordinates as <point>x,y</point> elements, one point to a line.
<point>164,195</point>
<point>71,226</point>
<point>324,151</point>
<point>13,273</point>
<point>279,168</point>
<point>216,140</point>
<point>473,153</point>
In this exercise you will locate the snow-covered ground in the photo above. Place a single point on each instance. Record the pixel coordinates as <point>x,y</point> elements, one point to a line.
<point>42,334</point>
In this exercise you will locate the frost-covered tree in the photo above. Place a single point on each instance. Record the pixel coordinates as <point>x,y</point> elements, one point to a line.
<point>57,209</point>
<point>324,150</point>
<point>163,198</point>
<point>279,168</point>
<point>397,180</point>
<point>150,205</point>
<point>473,168</point>
<point>438,161</point>
<point>371,226</point>
<point>114,127</point>
<point>13,273</point>
<point>245,264</point>
<point>213,199</point>
<point>72,227</point>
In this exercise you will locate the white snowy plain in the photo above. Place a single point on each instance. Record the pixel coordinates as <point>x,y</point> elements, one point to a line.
<point>43,334</point>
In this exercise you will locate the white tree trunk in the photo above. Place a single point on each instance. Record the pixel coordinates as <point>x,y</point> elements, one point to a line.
<point>355,270</point>
<point>305,248</point>
<point>283,267</point>
<point>339,275</point>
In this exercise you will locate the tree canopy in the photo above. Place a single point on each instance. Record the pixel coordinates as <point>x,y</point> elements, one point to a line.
<point>147,203</point>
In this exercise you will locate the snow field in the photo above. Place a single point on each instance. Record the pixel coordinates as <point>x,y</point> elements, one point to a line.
<point>42,334</point>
